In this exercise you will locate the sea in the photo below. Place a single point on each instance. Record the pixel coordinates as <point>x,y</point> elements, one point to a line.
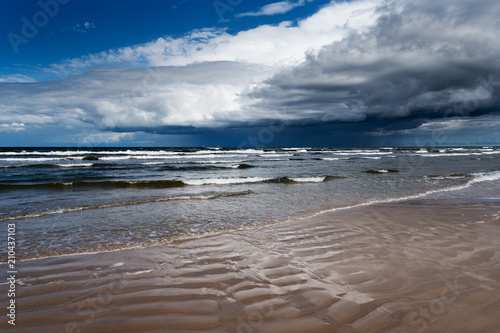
<point>68,201</point>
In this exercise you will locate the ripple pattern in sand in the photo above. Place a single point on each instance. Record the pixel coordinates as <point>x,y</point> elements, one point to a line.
<point>403,267</point>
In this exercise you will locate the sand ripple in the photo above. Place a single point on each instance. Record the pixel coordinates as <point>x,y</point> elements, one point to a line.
<point>421,266</point>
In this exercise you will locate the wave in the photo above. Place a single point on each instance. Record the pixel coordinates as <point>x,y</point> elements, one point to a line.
<point>478,178</point>
<point>451,154</point>
<point>46,165</point>
<point>167,166</point>
<point>291,180</point>
<point>112,184</point>
<point>38,159</point>
<point>276,155</point>
<point>331,158</point>
<point>450,176</point>
<point>352,158</point>
<point>225,181</point>
<point>381,171</point>
<point>485,176</point>
<point>208,196</point>
<point>47,153</point>
<point>308,179</point>
<point>284,180</point>
<point>166,157</point>
<point>75,165</point>
<point>156,184</point>
<point>298,150</point>
<point>245,166</point>
<point>201,167</point>
<point>362,153</point>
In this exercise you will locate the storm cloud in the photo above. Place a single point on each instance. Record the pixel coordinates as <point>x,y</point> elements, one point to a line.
<point>434,59</point>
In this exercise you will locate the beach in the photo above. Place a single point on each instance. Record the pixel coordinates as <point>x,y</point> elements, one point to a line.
<point>427,264</point>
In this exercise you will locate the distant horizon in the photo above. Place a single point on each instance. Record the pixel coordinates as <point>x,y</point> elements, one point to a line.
<point>251,147</point>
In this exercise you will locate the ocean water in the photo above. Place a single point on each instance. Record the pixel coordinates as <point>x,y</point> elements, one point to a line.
<point>70,201</point>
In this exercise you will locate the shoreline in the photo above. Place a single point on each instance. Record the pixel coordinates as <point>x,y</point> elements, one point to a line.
<point>481,178</point>
<point>420,265</point>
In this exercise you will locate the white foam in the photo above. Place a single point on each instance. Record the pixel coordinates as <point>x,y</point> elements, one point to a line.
<point>485,176</point>
<point>299,150</point>
<point>272,159</point>
<point>308,179</point>
<point>230,166</point>
<point>360,152</point>
<point>276,155</point>
<point>225,152</point>
<point>214,161</point>
<point>224,181</point>
<point>167,157</point>
<point>75,165</point>
<point>479,177</point>
<point>35,159</point>
<point>449,154</point>
<point>49,153</point>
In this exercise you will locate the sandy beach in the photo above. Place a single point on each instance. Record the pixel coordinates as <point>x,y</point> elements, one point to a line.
<point>428,265</point>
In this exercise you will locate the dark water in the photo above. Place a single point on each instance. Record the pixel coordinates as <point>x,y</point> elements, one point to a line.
<point>66,201</point>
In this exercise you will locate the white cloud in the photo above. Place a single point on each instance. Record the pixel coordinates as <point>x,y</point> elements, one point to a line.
<point>456,124</point>
<point>276,8</point>
<point>16,78</point>
<point>84,27</point>
<point>14,127</point>
<point>277,46</point>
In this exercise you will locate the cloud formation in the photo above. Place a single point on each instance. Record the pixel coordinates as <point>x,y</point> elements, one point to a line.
<point>84,27</point>
<point>276,8</point>
<point>431,60</point>
<point>14,127</point>
<point>397,65</point>
<point>16,78</point>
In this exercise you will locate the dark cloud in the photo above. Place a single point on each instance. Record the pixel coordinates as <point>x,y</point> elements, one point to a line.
<point>421,60</point>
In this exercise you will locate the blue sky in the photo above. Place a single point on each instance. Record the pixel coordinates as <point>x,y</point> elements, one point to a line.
<point>85,27</point>
<point>247,73</point>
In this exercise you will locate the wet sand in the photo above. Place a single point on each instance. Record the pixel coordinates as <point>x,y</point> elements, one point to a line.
<point>413,266</point>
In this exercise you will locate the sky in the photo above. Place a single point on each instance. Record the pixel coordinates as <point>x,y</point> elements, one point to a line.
<point>240,73</point>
